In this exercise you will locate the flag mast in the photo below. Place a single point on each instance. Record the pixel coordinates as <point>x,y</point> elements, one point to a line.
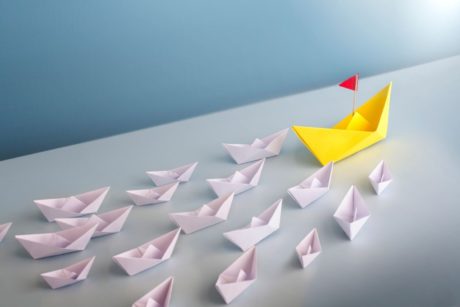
<point>354,94</point>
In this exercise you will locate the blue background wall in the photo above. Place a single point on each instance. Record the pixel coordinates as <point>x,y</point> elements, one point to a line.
<point>73,70</point>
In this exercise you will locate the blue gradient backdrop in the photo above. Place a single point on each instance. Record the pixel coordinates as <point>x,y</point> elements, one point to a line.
<point>72,70</point>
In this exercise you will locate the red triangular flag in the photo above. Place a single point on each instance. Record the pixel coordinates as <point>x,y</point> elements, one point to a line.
<point>351,83</point>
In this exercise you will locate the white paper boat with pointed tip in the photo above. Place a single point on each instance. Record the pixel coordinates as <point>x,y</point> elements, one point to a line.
<point>207,215</point>
<point>266,147</point>
<point>72,206</point>
<point>239,181</point>
<point>160,296</point>
<point>259,228</point>
<point>153,196</point>
<point>352,213</point>
<point>380,177</point>
<point>4,229</point>
<point>69,275</point>
<point>149,254</point>
<point>313,187</point>
<point>109,222</point>
<point>309,248</point>
<point>178,174</point>
<point>236,278</point>
<point>57,243</point>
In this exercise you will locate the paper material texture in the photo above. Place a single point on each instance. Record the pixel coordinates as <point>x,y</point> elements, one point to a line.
<point>72,206</point>
<point>239,181</point>
<point>314,187</point>
<point>153,196</point>
<point>235,279</point>
<point>4,230</point>
<point>178,174</point>
<point>352,213</point>
<point>69,275</point>
<point>309,248</point>
<point>207,215</point>
<point>266,147</point>
<point>56,243</point>
<point>149,254</point>
<point>109,222</point>
<point>367,126</point>
<point>258,229</point>
<point>380,177</point>
<point>160,296</point>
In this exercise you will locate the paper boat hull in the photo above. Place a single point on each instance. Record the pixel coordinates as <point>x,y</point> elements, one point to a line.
<point>231,291</point>
<point>340,142</point>
<point>351,229</point>
<point>305,197</point>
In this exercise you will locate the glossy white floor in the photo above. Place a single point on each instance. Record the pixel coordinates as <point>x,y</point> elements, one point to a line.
<point>408,254</point>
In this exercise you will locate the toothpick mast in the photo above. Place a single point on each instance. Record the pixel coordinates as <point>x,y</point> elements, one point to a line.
<point>354,95</point>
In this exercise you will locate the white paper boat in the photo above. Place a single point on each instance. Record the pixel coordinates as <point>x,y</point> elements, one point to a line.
<point>56,243</point>
<point>238,276</point>
<point>72,206</point>
<point>4,229</point>
<point>69,275</point>
<point>260,227</point>
<point>160,296</point>
<point>380,177</point>
<point>109,222</point>
<point>149,254</point>
<point>207,215</point>
<point>178,174</point>
<point>313,187</point>
<point>309,248</point>
<point>153,196</point>
<point>266,147</point>
<point>352,213</point>
<point>239,181</point>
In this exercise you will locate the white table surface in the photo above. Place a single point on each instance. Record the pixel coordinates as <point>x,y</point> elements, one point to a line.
<point>408,254</point>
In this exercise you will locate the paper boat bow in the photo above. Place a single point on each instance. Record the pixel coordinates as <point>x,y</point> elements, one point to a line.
<point>313,187</point>
<point>109,222</point>
<point>149,254</point>
<point>69,275</point>
<point>56,243</point>
<point>352,213</point>
<point>207,215</point>
<point>153,196</point>
<point>260,227</point>
<point>179,174</point>
<point>72,206</point>
<point>380,177</point>
<point>266,147</point>
<point>238,182</point>
<point>238,276</point>
<point>4,229</point>
<point>367,126</point>
<point>160,296</point>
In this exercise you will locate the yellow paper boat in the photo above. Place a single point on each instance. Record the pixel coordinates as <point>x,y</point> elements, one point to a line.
<point>367,126</point>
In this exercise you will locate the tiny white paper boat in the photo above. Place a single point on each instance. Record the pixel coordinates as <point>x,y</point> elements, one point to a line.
<point>207,215</point>
<point>69,275</point>
<point>4,229</point>
<point>313,187</point>
<point>309,248</point>
<point>239,181</point>
<point>380,177</point>
<point>72,206</point>
<point>352,213</point>
<point>149,254</point>
<point>178,174</point>
<point>266,147</point>
<point>109,222</point>
<point>235,279</point>
<point>258,229</point>
<point>56,243</point>
<point>153,196</point>
<point>160,296</point>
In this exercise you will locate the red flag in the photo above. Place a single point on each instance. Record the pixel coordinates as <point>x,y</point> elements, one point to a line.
<point>351,83</point>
